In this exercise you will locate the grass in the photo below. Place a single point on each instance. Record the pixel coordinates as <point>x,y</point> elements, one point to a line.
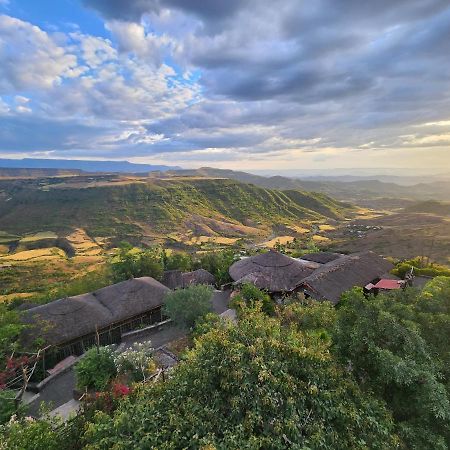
<point>283,240</point>
<point>36,254</point>
<point>38,237</point>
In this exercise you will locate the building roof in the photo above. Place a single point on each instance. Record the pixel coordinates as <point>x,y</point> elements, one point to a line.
<point>271,271</point>
<point>69,318</point>
<point>321,257</point>
<point>388,284</point>
<point>175,279</point>
<point>340,275</point>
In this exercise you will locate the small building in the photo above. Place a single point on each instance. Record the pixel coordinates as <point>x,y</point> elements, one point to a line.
<point>71,325</point>
<point>331,280</point>
<point>176,279</point>
<point>272,271</point>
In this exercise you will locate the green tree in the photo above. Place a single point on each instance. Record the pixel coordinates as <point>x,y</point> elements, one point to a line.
<point>178,261</point>
<point>218,264</point>
<point>249,386</point>
<point>382,346</point>
<point>133,263</point>
<point>186,306</point>
<point>250,295</point>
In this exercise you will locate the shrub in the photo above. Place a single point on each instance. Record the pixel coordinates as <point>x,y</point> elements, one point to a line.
<point>249,295</point>
<point>96,369</point>
<point>7,406</point>
<point>186,306</point>
<point>136,362</point>
<point>31,434</point>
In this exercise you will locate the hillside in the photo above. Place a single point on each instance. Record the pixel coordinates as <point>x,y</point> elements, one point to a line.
<point>430,207</point>
<point>362,192</point>
<point>140,207</point>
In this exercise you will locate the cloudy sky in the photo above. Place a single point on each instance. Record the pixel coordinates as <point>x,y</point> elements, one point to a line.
<point>241,84</point>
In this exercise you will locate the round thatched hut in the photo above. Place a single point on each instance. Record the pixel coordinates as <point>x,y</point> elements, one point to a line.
<point>271,271</point>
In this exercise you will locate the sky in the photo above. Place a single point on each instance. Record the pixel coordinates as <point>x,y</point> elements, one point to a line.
<point>239,84</point>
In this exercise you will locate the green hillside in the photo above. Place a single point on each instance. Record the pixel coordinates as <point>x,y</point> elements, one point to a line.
<point>124,207</point>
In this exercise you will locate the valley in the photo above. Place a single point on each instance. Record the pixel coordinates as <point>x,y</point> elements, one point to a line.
<point>66,226</point>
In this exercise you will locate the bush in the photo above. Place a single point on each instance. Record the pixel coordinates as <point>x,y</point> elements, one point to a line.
<point>186,306</point>
<point>96,369</point>
<point>136,362</point>
<point>249,295</point>
<point>30,434</point>
<point>7,406</point>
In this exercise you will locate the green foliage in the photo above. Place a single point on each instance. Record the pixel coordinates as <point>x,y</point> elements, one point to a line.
<point>249,386</point>
<point>310,315</point>
<point>177,261</point>
<point>186,306</point>
<point>206,323</point>
<point>421,267</point>
<point>96,369</point>
<point>218,264</point>
<point>130,263</point>
<point>250,295</point>
<point>136,362</point>
<point>7,405</point>
<point>10,328</point>
<point>379,340</point>
<point>30,434</point>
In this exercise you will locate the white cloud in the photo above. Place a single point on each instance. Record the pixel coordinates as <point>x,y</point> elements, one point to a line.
<point>30,59</point>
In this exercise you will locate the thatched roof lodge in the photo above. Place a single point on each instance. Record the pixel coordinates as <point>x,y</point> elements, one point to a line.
<point>324,276</point>
<point>175,279</point>
<point>272,271</point>
<point>333,278</point>
<point>71,323</point>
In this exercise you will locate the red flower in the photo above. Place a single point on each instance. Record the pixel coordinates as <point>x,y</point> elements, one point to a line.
<point>119,390</point>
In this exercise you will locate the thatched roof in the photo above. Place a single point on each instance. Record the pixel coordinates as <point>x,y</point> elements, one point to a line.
<point>321,257</point>
<point>340,275</point>
<point>69,318</point>
<point>199,276</point>
<point>175,279</point>
<point>271,271</point>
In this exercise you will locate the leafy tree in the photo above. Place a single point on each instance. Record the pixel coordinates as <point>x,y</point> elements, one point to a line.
<point>218,264</point>
<point>96,369</point>
<point>249,386</point>
<point>250,295</point>
<point>133,263</point>
<point>178,261</point>
<point>383,347</point>
<point>186,306</point>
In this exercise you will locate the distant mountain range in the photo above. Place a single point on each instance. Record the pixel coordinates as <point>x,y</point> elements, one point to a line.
<point>359,191</point>
<point>85,165</point>
<point>377,191</point>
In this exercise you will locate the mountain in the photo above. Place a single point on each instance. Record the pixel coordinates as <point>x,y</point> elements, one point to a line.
<point>115,206</point>
<point>87,166</point>
<point>37,173</point>
<point>359,191</point>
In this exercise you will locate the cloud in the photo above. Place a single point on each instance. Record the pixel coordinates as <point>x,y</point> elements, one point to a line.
<point>219,79</point>
<point>30,59</point>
